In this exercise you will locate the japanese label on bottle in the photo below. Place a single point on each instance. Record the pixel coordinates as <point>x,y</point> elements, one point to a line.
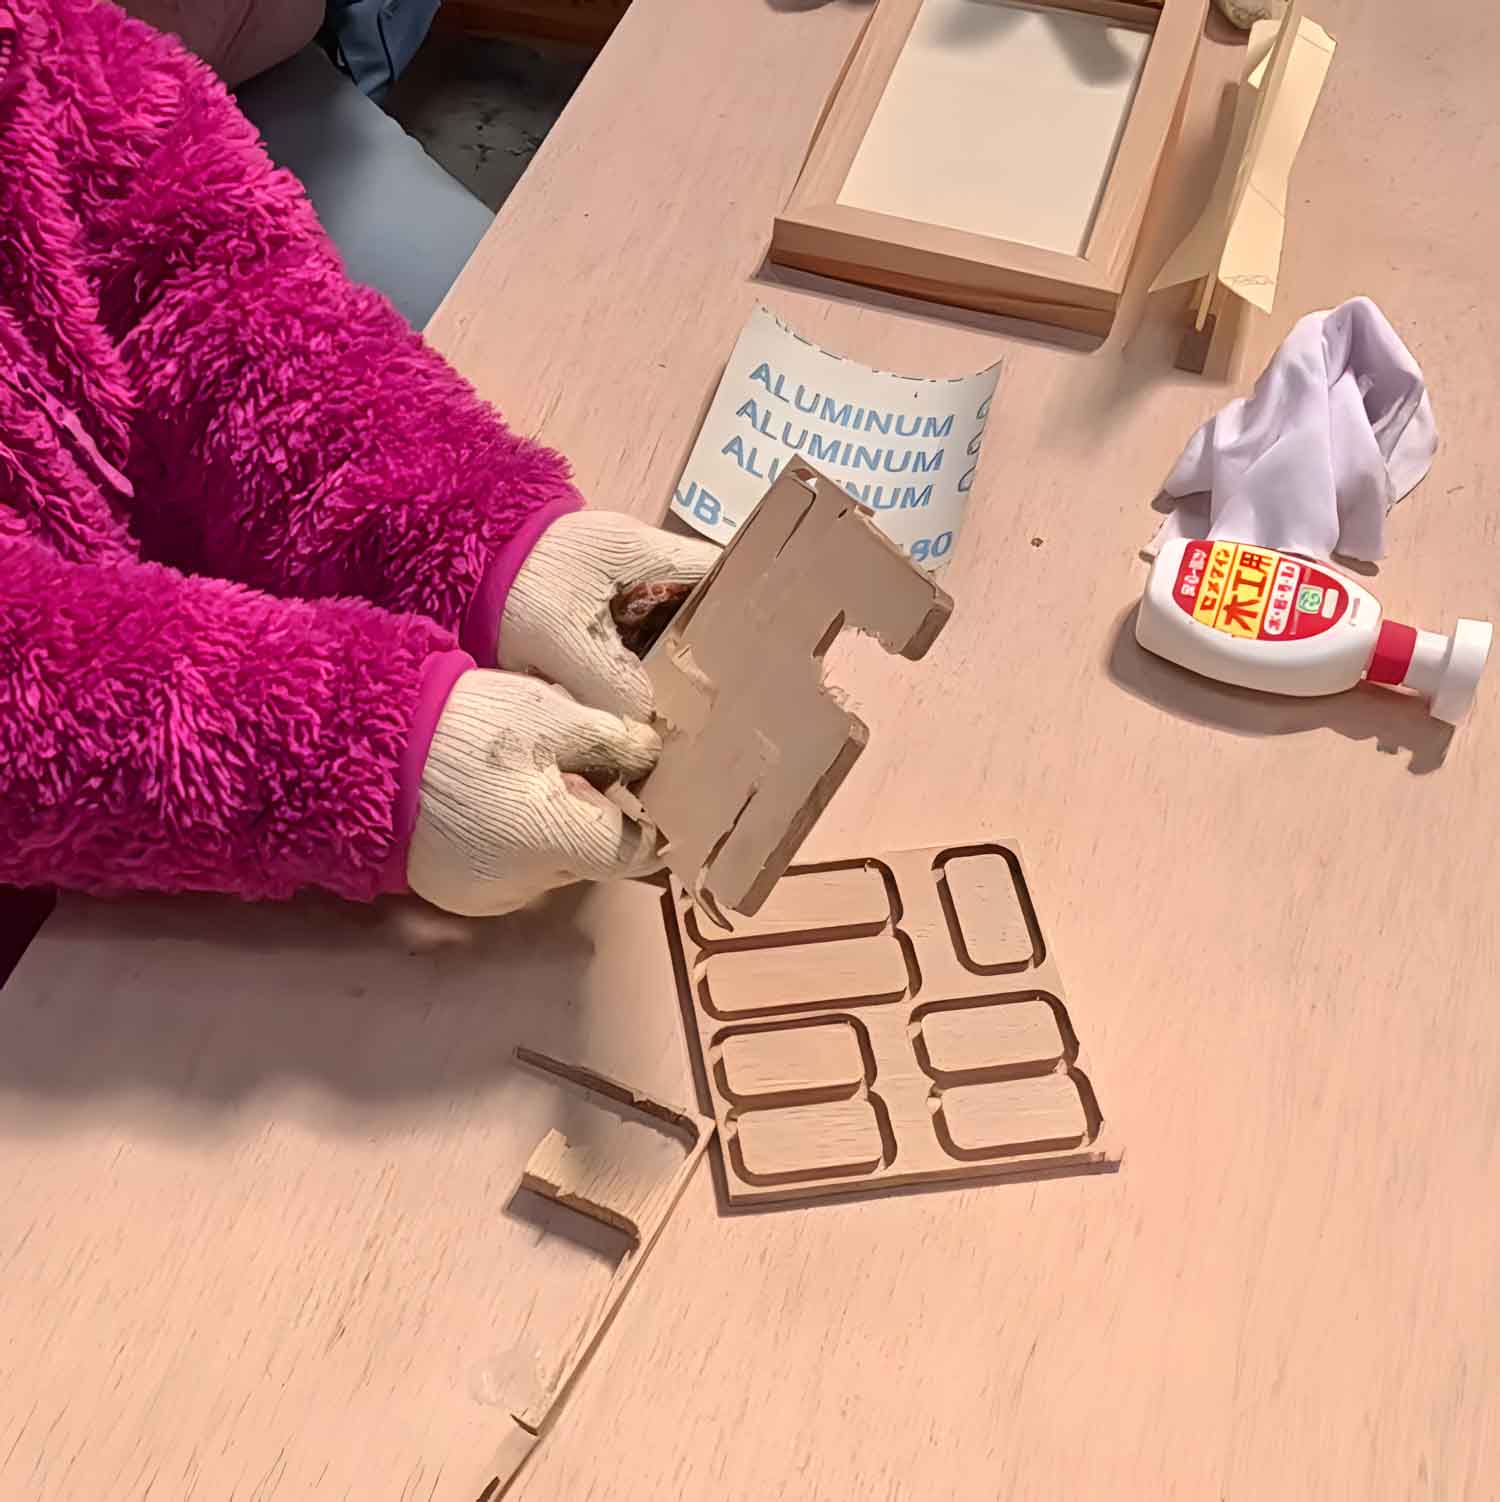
<point>1256,592</point>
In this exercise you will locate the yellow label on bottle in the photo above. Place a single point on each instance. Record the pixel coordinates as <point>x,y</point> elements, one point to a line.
<point>1235,588</point>
<point>1257,593</point>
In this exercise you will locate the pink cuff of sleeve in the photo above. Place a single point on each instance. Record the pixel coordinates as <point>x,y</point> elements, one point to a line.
<point>439,673</point>
<point>479,632</point>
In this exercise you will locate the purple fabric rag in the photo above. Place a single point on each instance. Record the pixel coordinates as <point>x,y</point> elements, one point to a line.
<point>244,511</point>
<point>1338,429</point>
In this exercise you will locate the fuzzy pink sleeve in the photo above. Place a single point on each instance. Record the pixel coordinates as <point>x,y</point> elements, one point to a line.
<point>292,432</point>
<point>177,734</point>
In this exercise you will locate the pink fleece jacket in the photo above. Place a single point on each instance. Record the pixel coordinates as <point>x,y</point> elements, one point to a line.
<point>246,517</point>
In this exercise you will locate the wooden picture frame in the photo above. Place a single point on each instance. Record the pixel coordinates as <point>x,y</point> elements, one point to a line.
<point>817,232</point>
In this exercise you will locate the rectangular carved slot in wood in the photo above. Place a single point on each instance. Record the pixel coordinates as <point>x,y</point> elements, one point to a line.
<point>792,1065</point>
<point>938,1047</point>
<point>989,1039</point>
<point>1043,1112</point>
<point>985,899</point>
<point>844,972</point>
<point>842,900</point>
<point>833,1138</point>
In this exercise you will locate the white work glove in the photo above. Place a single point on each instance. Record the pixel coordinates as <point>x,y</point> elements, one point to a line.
<point>508,803</point>
<point>591,575</point>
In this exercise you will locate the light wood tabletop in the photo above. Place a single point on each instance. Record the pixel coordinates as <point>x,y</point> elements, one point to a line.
<point>258,1237</point>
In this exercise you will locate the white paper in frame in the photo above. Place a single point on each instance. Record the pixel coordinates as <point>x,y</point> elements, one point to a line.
<point>1009,76</point>
<point>929,177</point>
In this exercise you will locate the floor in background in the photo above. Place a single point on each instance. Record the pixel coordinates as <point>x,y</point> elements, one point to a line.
<point>481,108</point>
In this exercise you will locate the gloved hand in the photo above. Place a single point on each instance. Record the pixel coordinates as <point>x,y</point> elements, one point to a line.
<point>507,811</point>
<point>558,619</point>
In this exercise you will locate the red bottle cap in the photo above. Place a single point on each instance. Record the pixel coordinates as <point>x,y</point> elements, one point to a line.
<point>1393,650</point>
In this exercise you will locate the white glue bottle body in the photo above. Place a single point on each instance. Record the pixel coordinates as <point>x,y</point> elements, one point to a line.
<point>1267,620</point>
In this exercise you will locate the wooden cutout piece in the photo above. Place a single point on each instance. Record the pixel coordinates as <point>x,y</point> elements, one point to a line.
<point>1035,1114</point>
<point>765,1066</point>
<point>847,972</point>
<point>588,1181</point>
<point>1004,1034</point>
<point>753,743</point>
<point>992,923</point>
<point>525,1427</point>
<point>834,1137</point>
<point>949,1072</point>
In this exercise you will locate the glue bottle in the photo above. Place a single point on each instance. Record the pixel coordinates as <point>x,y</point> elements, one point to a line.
<point>1268,620</point>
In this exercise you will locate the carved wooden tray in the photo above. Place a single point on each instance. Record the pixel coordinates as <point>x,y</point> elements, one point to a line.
<point>886,1020</point>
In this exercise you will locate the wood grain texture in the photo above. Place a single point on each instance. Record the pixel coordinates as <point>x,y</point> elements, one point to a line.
<point>988,912</point>
<point>944,266</point>
<point>589,1180</point>
<point>1038,1113</point>
<point>841,972</point>
<point>763,1065</point>
<point>795,1142</point>
<point>254,1166</point>
<point>260,1174</point>
<point>1005,1034</point>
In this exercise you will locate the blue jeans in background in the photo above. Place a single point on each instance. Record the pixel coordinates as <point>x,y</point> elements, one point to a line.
<point>373,40</point>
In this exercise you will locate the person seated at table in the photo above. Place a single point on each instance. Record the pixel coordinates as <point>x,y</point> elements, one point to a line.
<point>278,591</point>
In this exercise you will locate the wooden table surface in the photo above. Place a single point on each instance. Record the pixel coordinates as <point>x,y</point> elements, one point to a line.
<point>257,1234</point>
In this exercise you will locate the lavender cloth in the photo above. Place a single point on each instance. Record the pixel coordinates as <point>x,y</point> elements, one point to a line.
<point>244,511</point>
<point>1338,429</point>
